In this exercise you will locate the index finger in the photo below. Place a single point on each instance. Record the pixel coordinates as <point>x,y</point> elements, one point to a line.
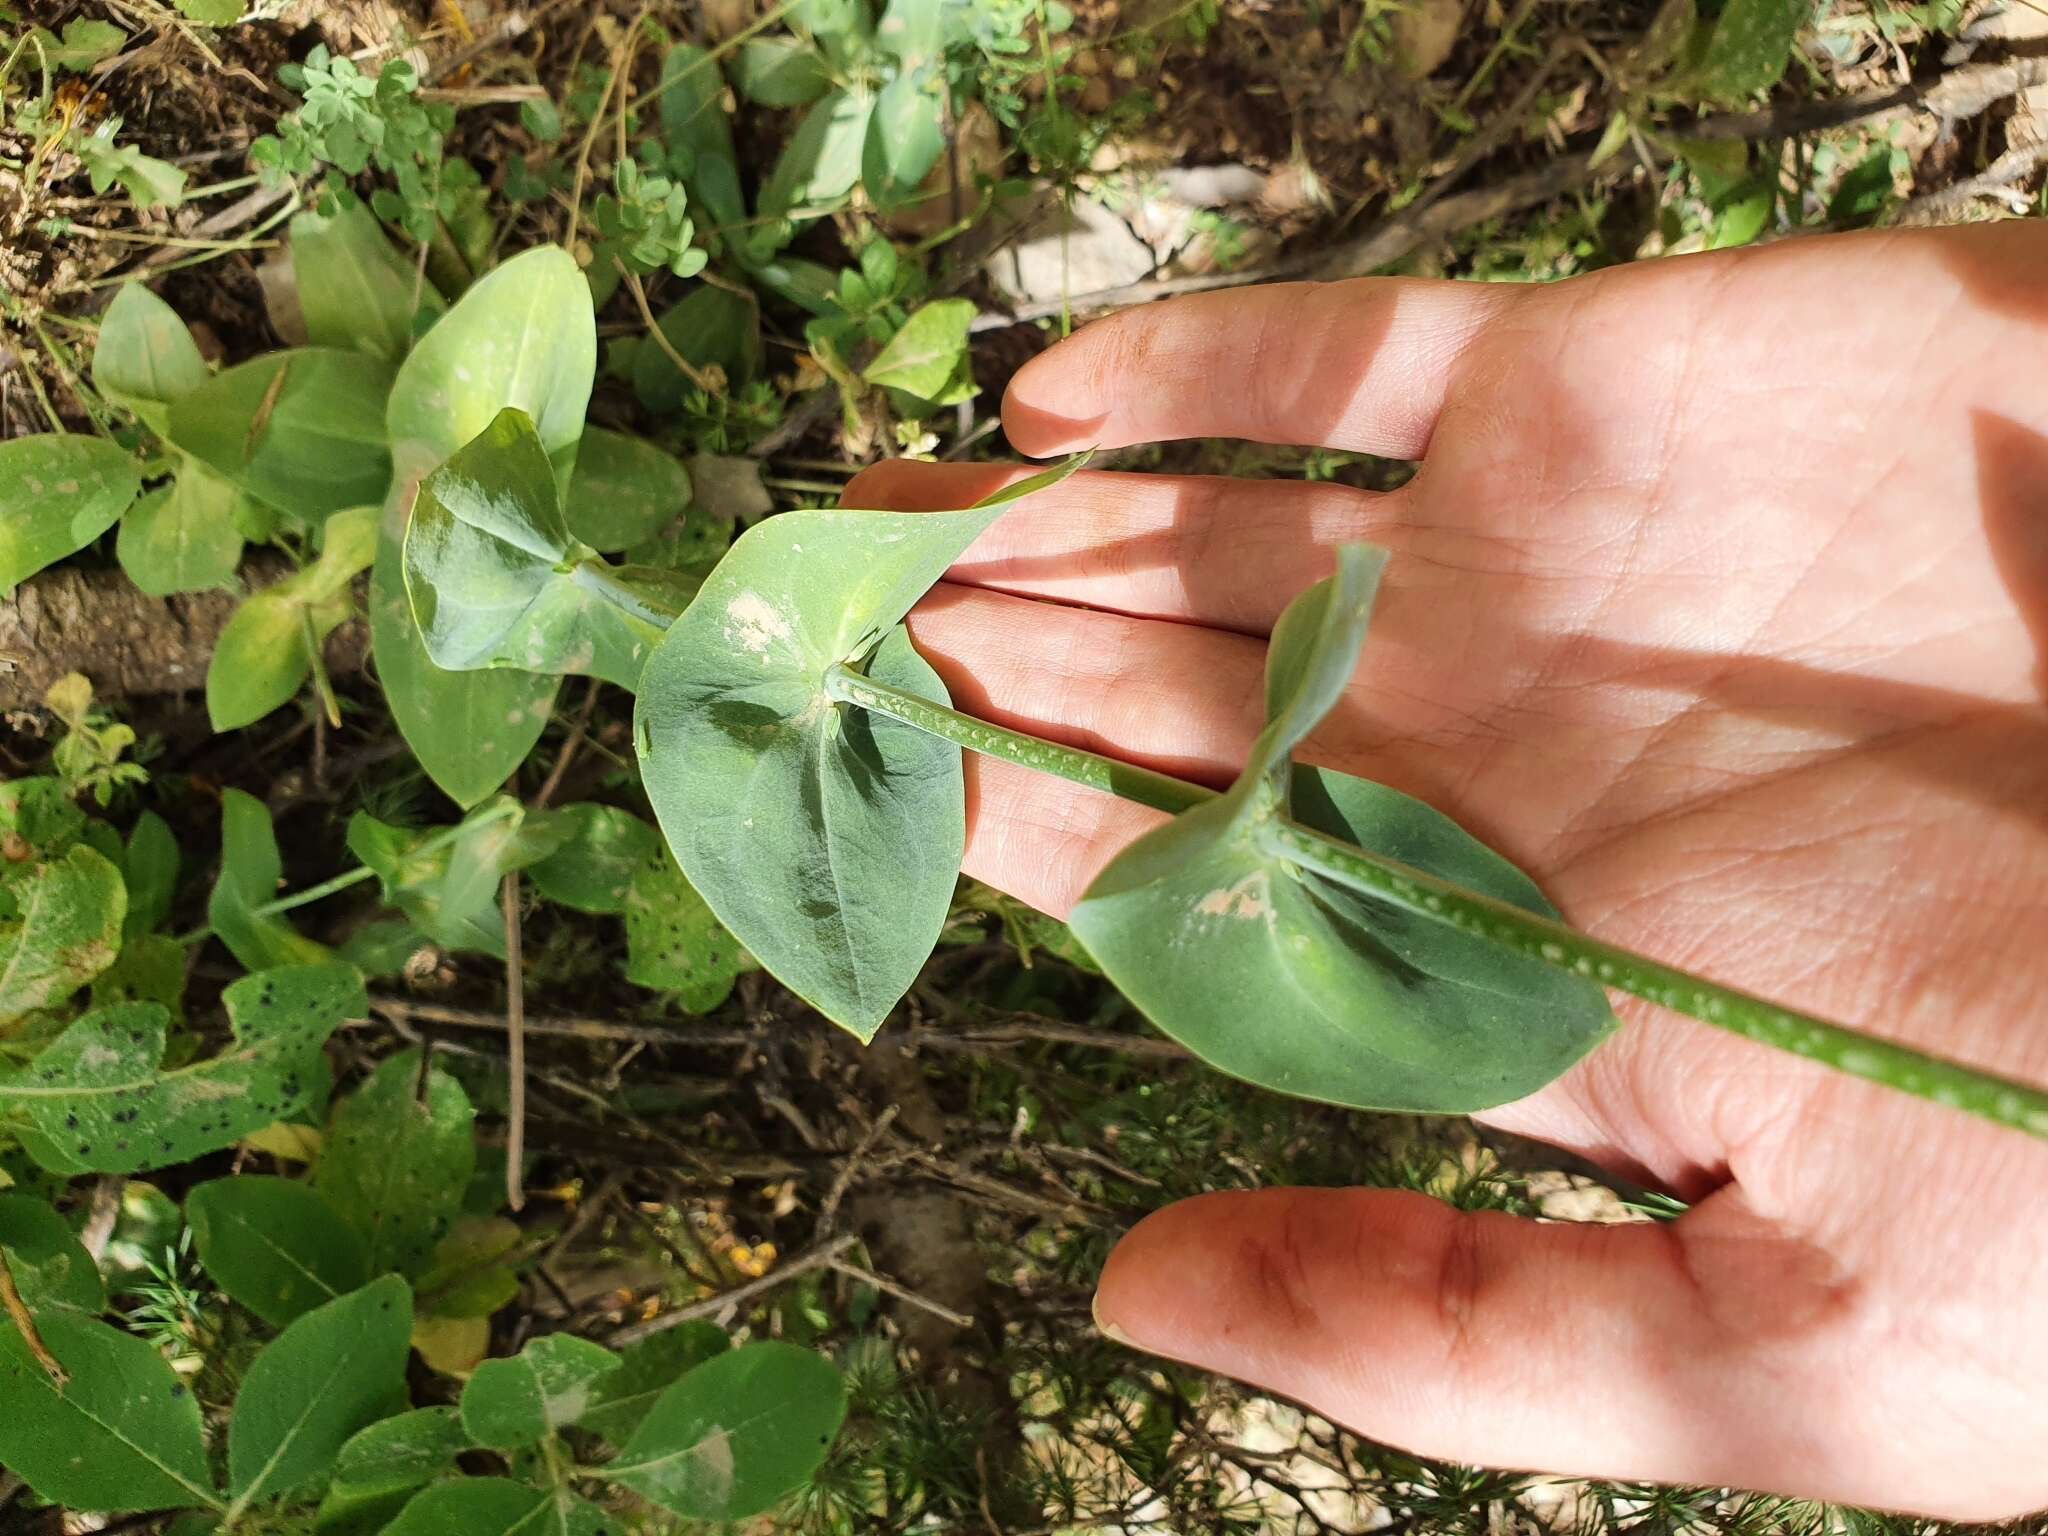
<point>1362,366</point>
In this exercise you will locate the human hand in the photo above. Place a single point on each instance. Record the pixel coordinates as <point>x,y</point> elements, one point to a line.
<point>1720,605</point>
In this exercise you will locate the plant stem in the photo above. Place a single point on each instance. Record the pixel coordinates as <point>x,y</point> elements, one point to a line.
<point>2002,1101</point>
<point>600,578</point>
<point>361,872</point>
<point>1124,780</point>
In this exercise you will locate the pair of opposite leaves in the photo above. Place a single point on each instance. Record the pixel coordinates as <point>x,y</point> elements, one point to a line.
<point>828,839</point>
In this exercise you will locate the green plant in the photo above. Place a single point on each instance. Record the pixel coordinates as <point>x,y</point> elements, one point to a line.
<point>804,763</point>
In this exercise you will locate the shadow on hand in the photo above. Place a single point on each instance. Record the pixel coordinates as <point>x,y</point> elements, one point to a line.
<point>2012,486</point>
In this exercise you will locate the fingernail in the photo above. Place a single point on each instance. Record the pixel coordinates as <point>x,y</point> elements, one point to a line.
<point>1108,1329</point>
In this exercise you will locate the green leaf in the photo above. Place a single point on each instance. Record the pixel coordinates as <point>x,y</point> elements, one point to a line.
<point>68,932</point>
<point>148,181</point>
<point>1750,46</point>
<point>674,943</point>
<point>624,492</point>
<point>712,328</point>
<point>821,161</point>
<point>275,1245</point>
<point>98,1099</point>
<point>919,30</point>
<point>735,1434</point>
<point>1356,1003</point>
<point>183,537</point>
<point>450,889</point>
<point>905,136</point>
<point>41,813</point>
<point>496,1506</point>
<point>621,1400</point>
<point>843,28</point>
<point>150,873</point>
<point>510,1404</point>
<point>779,72</point>
<point>58,492</point>
<point>355,289</point>
<point>923,356</point>
<point>265,654</point>
<point>122,1434</point>
<point>333,1371</point>
<point>211,13</point>
<point>144,357</point>
<point>469,730</point>
<point>83,45</point>
<point>496,581</point>
<point>149,969</point>
<point>250,871</point>
<point>827,839</point>
<point>51,1267</point>
<point>301,430</point>
<point>1864,190</point>
<point>396,1163</point>
<point>401,1452</point>
<point>602,850</point>
<point>522,337</point>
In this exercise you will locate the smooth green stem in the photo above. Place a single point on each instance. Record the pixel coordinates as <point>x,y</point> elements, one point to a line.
<point>1123,780</point>
<point>2002,1101</point>
<point>600,578</point>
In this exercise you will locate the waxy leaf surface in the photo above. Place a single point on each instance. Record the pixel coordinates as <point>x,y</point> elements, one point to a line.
<point>1285,979</point>
<point>522,338</point>
<point>826,838</point>
<point>496,580</point>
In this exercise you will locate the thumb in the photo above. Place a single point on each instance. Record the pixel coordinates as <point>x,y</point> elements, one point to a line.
<point>1482,1337</point>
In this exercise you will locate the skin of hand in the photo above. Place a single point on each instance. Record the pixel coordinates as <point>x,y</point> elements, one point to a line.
<point>1719,602</point>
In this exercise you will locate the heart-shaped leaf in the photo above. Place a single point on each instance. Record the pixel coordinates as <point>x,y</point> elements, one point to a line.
<point>827,839</point>
<point>496,580</point>
<point>58,492</point>
<point>1284,979</point>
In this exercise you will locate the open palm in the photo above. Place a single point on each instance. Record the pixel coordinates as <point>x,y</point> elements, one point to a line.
<point>1720,604</point>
